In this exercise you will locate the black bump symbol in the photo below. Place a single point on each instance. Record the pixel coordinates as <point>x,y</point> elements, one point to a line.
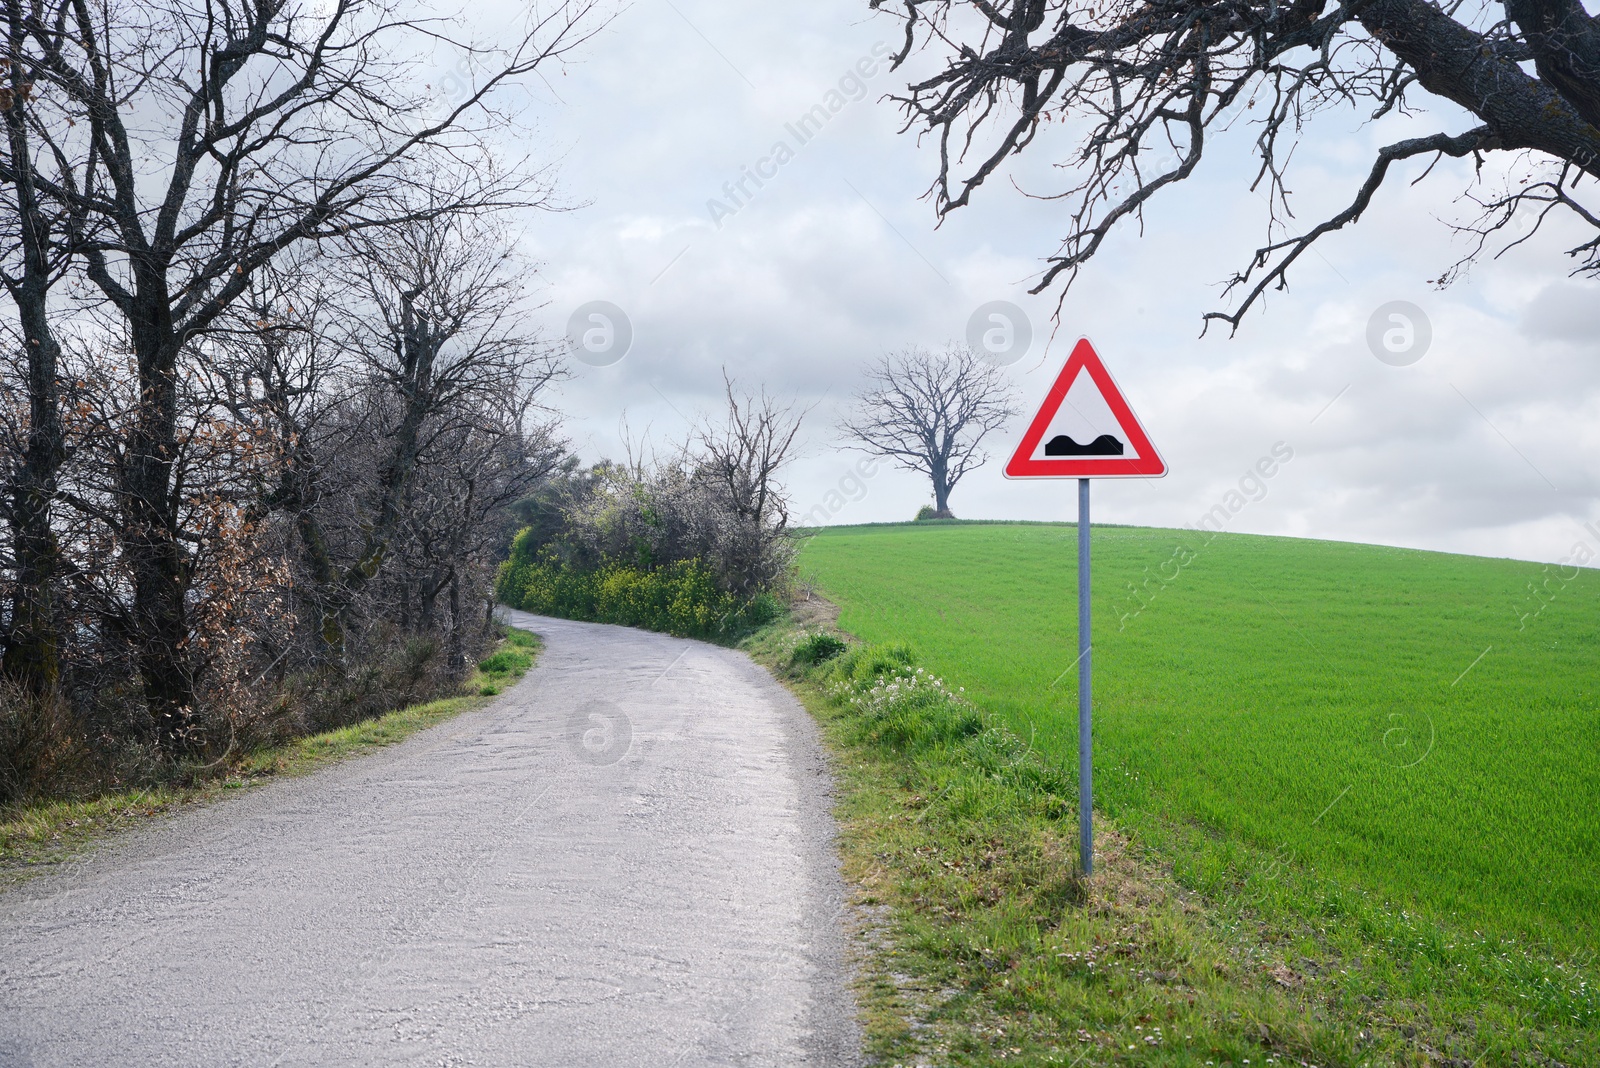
<point>1104,445</point>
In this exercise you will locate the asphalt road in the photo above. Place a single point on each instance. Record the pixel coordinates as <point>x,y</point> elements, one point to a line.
<point>625,860</point>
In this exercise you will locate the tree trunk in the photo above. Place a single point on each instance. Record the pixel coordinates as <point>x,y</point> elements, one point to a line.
<point>160,567</point>
<point>457,660</point>
<point>32,655</point>
<point>941,494</point>
<point>427,597</point>
<point>32,650</point>
<point>319,561</point>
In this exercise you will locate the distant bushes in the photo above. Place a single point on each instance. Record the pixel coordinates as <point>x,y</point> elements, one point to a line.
<point>696,544</point>
<point>679,598</point>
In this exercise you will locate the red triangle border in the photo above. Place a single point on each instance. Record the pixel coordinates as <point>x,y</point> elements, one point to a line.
<point>1148,464</point>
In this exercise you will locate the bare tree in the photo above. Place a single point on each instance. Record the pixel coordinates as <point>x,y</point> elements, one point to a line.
<point>930,413</point>
<point>401,385</point>
<point>458,520</point>
<point>34,260</point>
<point>186,146</point>
<point>1136,86</point>
<point>742,457</point>
<point>231,586</point>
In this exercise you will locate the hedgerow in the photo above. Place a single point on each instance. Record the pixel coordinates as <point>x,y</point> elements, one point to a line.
<point>678,598</point>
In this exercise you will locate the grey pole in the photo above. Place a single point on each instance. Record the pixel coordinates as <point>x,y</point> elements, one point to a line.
<point>1085,696</point>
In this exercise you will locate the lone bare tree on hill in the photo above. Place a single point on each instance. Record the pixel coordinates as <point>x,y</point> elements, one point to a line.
<point>930,413</point>
<point>1127,92</point>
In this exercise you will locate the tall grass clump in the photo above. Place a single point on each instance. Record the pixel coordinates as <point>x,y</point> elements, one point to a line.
<point>909,709</point>
<point>816,648</point>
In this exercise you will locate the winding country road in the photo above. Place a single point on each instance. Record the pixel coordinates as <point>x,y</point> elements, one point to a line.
<point>625,860</point>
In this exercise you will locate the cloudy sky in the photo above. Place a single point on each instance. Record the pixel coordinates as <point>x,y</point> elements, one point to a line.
<point>1488,444</point>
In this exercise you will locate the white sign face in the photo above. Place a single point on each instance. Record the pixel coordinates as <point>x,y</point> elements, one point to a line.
<point>1084,425</point>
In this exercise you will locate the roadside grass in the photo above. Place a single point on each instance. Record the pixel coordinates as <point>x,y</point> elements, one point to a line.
<point>505,665</point>
<point>1420,725</point>
<point>36,836</point>
<point>984,947</point>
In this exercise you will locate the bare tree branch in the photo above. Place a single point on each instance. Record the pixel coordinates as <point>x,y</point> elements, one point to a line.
<point>1135,86</point>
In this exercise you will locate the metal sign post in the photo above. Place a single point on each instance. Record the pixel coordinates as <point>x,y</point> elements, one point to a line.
<point>1085,691</point>
<point>1085,430</point>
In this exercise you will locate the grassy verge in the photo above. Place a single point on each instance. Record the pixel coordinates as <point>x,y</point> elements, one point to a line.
<point>1186,948</point>
<point>36,836</point>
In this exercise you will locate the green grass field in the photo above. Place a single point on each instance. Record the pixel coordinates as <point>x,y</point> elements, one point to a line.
<point>1422,726</point>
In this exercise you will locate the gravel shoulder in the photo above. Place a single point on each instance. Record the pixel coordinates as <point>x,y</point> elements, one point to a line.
<point>626,859</point>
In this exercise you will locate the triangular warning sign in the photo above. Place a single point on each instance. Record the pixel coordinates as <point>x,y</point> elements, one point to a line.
<point>1085,429</point>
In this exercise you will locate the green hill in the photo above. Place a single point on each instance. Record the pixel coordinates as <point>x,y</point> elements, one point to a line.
<point>1420,725</point>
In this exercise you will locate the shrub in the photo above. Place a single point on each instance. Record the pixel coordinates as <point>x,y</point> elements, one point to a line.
<point>679,598</point>
<point>36,744</point>
<point>925,513</point>
<point>389,670</point>
<point>816,648</point>
<point>698,506</point>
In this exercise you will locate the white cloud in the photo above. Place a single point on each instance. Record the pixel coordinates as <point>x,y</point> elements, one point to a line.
<point>837,259</point>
